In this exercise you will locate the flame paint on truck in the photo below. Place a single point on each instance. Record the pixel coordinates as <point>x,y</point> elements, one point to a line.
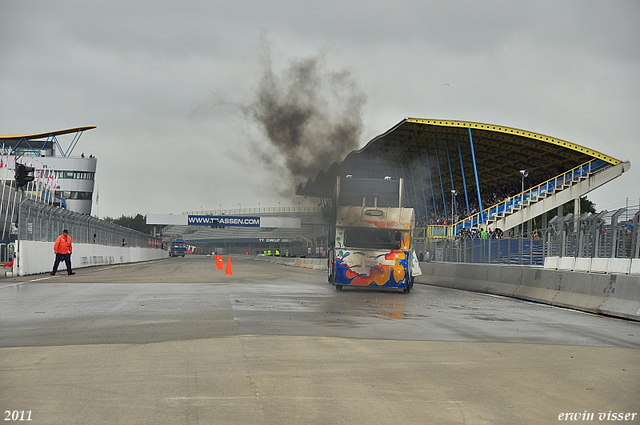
<point>373,247</point>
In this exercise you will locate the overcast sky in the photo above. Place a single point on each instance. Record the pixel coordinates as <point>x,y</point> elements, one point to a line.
<point>180,91</point>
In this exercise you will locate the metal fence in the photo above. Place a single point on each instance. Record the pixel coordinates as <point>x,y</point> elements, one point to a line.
<point>38,221</point>
<point>497,251</point>
<point>603,235</point>
<point>608,234</point>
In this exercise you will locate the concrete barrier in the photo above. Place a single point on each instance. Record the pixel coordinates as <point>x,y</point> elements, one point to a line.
<point>599,265</point>
<point>445,273</point>
<point>582,265</point>
<point>594,265</point>
<point>619,265</point>
<point>612,294</point>
<point>623,299</point>
<point>503,280</point>
<point>310,263</point>
<point>539,285</point>
<point>35,257</point>
<point>466,277</point>
<point>551,262</point>
<point>583,291</point>
<point>566,263</point>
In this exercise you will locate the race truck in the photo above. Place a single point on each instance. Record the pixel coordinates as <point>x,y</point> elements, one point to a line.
<point>372,236</point>
<point>178,248</point>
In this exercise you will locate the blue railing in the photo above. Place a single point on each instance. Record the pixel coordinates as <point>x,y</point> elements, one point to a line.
<point>507,206</point>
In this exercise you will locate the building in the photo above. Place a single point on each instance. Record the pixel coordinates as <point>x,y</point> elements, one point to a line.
<point>275,231</point>
<point>74,175</point>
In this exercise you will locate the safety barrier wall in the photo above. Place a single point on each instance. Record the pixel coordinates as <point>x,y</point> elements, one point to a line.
<point>612,294</point>
<point>37,257</point>
<point>594,265</point>
<point>615,295</point>
<point>310,263</point>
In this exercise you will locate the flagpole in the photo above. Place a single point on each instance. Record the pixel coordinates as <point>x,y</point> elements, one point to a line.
<point>49,184</point>
<point>4,186</point>
<point>13,206</point>
<point>98,200</point>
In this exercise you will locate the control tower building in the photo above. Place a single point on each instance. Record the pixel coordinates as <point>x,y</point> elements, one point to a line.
<point>74,174</point>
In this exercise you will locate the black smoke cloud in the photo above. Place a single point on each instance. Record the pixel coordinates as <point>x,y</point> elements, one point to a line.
<point>309,115</point>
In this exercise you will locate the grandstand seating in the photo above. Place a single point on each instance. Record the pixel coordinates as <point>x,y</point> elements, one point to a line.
<point>539,199</point>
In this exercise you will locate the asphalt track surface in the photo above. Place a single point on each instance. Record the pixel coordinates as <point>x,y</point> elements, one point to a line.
<point>179,342</point>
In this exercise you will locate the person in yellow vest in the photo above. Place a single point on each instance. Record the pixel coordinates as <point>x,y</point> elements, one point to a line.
<point>277,252</point>
<point>63,249</point>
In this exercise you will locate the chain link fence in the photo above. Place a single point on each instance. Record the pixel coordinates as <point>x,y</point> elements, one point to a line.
<point>603,235</point>
<point>608,234</point>
<point>38,221</point>
<point>504,250</point>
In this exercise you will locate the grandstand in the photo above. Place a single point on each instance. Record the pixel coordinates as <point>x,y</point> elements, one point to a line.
<point>457,175</point>
<point>305,241</point>
<point>461,175</point>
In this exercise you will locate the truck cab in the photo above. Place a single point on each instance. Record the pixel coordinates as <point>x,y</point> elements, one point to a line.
<point>178,248</point>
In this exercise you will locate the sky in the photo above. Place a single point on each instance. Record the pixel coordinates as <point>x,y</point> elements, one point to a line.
<point>202,105</point>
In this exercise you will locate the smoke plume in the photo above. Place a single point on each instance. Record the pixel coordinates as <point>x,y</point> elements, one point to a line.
<point>310,116</point>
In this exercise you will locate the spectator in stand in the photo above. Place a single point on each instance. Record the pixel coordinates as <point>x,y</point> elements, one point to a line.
<point>491,196</point>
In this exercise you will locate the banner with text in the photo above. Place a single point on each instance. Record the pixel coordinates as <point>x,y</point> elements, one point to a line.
<point>223,220</point>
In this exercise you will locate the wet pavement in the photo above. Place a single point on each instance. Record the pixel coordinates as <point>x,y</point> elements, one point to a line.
<point>177,341</point>
<point>187,298</point>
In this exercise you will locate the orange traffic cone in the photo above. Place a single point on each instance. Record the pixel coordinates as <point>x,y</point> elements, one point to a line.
<point>228,270</point>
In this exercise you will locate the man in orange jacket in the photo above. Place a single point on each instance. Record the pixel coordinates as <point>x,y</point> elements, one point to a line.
<point>63,250</point>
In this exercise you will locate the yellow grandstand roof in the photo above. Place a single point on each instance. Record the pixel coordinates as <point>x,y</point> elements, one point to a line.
<point>46,134</point>
<point>414,146</point>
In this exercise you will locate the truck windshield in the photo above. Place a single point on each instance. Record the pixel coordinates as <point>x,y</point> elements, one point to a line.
<point>363,237</point>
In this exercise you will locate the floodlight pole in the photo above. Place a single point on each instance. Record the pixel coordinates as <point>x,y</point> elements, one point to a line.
<point>524,173</point>
<point>453,199</point>
<point>475,170</point>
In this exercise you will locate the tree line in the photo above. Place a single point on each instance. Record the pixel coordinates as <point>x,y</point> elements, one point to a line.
<point>137,222</point>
